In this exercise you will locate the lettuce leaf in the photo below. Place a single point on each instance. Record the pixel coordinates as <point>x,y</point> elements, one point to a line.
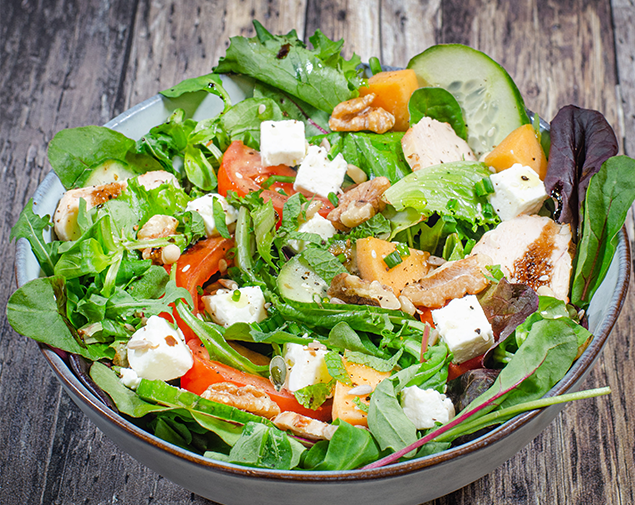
<point>320,76</point>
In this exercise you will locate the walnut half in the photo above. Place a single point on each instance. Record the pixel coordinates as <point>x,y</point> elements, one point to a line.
<point>249,398</point>
<point>359,204</point>
<point>356,114</point>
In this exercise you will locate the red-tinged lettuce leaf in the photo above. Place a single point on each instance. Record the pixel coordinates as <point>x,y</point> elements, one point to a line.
<point>581,140</point>
<point>507,305</point>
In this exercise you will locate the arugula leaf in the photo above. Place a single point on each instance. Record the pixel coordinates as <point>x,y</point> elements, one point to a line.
<point>323,263</point>
<point>336,367</point>
<point>320,77</point>
<point>31,227</point>
<point>74,151</point>
<point>379,364</point>
<point>211,83</point>
<point>349,448</point>
<point>127,401</point>
<point>242,121</point>
<point>611,193</point>
<point>377,155</point>
<point>38,311</point>
<point>314,395</point>
<point>342,336</point>
<point>198,169</point>
<point>265,230</point>
<point>439,104</point>
<point>220,219</point>
<point>316,121</point>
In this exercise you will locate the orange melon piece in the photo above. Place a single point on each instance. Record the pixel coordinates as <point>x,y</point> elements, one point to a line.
<point>344,407</point>
<point>371,252</point>
<point>520,146</point>
<point>392,93</point>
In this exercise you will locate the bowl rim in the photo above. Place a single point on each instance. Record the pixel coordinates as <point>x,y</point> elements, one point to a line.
<point>575,373</point>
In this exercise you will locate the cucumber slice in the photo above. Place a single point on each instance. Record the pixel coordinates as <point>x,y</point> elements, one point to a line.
<point>108,171</point>
<point>298,282</point>
<point>491,103</point>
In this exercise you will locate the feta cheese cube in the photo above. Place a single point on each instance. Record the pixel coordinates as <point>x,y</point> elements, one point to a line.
<point>318,225</point>
<point>205,207</point>
<point>464,328</point>
<point>248,308</point>
<point>282,143</point>
<point>317,175</point>
<point>426,407</point>
<point>129,378</point>
<point>306,366</point>
<point>518,190</point>
<point>158,351</point>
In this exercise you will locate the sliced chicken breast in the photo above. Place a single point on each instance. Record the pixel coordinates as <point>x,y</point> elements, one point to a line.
<point>431,142</point>
<point>532,250</point>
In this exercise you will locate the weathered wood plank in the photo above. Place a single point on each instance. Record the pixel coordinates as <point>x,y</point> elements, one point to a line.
<point>59,67</point>
<point>624,19</point>
<point>174,43</point>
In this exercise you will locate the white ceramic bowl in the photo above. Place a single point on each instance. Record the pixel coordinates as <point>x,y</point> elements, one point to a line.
<point>404,483</point>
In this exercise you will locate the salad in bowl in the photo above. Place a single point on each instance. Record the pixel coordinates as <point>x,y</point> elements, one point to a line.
<point>314,265</point>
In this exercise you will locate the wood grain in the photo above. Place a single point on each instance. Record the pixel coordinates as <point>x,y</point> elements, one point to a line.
<point>70,63</point>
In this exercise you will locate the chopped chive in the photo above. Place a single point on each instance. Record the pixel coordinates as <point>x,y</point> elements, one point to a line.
<point>484,187</point>
<point>452,204</point>
<point>342,258</point>
<point>277,178</point>
<point>403,250</point>
<point>392,260</point>
<point>334,199</point>
<point>236,295</point>
<point>375,65</point>
<point>488,211</point>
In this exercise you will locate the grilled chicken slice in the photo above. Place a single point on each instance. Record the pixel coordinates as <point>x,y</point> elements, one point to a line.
<point>65,218</point>
<point>532,250</point>
<point>453,279</point>
<point>431,142</point>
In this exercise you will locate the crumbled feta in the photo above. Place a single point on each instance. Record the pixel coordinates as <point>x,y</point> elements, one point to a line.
<point>518,190</point>
<point>249,307</point>
<point>306,366</point>
<point>426,407</point>
<point>318,225</point>
<point>319,175</point>
<point>205,207</point>
<point>158,351</point>
<point>129,378</point>
<point>282,143</point>
<point>464,328</point>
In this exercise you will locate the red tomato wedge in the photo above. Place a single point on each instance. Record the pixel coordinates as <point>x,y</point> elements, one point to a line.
<point>199,263</point>
<point>241,171</point>
<point>455,371</point>
<point>205,372</point>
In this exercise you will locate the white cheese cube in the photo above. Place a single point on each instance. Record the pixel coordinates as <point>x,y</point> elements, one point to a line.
<point>248,308</point>
<point>129,378</point>
<point>158,351</point>
<point>464,328</point>
<point>426,407</point>
<point>317,175</point>
<point>205,207</point>
<point>306,366</point>
<point>282,143</point>
<point>318,225</point>
<point>518,190</point>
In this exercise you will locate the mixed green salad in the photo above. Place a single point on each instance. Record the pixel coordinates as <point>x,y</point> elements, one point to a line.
<point>346,269</point>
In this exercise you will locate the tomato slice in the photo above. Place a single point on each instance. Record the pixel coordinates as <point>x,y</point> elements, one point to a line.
<point>205,372</point>
<point>199,263</point>
<point>241,171</point>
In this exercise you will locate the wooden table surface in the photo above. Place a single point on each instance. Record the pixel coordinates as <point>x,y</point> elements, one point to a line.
<point>68,63</point>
